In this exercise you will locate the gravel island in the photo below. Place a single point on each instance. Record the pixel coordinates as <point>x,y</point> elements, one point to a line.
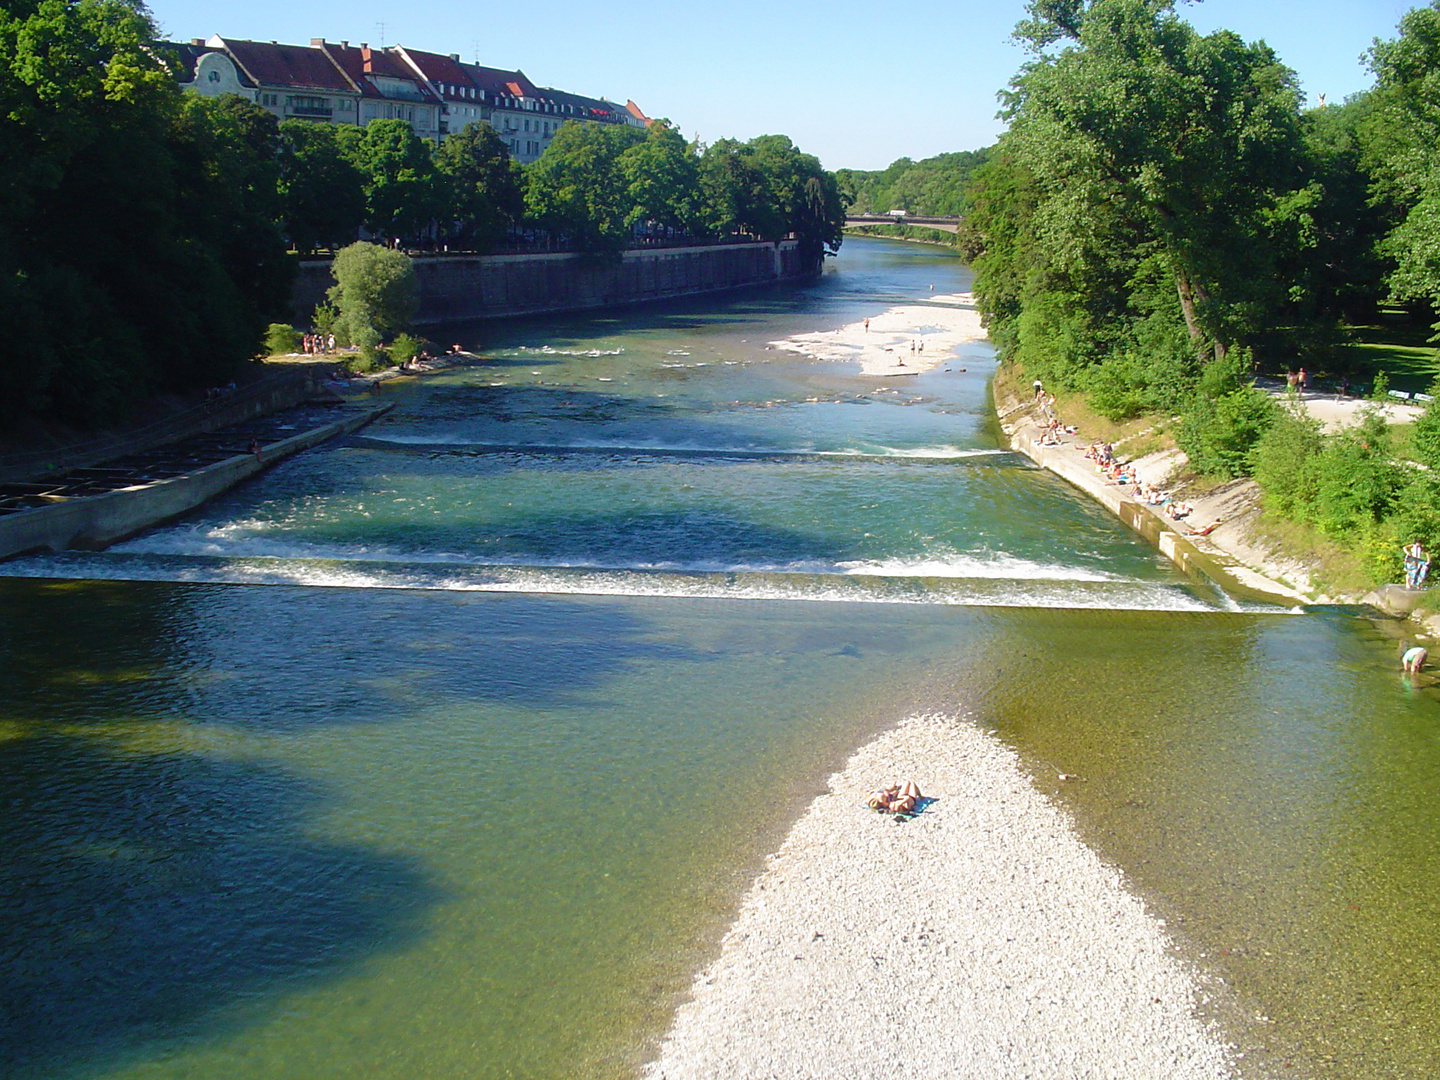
<point>981,939</point>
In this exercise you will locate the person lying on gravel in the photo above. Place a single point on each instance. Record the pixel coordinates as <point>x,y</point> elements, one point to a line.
<point>897,798</point>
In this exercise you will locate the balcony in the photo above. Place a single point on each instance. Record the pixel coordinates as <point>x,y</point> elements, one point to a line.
<point>321,112</point>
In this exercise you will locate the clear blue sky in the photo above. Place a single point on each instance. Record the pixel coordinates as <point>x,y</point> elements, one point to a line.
<point>858,85</point>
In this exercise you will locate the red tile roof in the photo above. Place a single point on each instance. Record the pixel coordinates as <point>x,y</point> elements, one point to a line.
<point>512,83</point>
<point>287,65</point>
<point>444,72</point>
<point>361,62</point>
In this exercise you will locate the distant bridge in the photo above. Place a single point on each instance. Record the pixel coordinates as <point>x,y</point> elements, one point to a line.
<point>944,224</point>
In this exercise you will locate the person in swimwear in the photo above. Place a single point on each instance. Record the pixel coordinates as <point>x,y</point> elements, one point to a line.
<point>897,798</point>
<point>1413,660</point>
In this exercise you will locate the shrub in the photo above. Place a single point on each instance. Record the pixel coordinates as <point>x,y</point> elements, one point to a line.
<point>1119,387</point>
<point>1358,483</point>
<point>281,338</point>
<point>375,290</point>
<point>404,347</point>
<point>1219,435</point>
<point>325,320</point>
<point>1284,464</point>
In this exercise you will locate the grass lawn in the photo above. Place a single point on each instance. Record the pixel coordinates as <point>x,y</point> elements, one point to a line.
<point>1397,345</point>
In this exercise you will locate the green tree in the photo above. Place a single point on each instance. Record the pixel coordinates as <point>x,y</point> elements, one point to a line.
<point>577,190</point>
<point>769,189</point>
<point>1194,139</point>
<point>662,179</point>
<point>233,202</point>
<point>1405,151</point>
<point>375,294</point>
<point>484,185</point>
<point>403,196</point>
<point>323,191</point>
<point>138,247</point>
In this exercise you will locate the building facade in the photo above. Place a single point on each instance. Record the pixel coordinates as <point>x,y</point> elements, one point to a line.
<point>436,94</point>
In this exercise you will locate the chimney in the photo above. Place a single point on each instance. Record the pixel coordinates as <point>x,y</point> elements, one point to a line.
<point>344,44</point>
<point>198,42</point>
<point>317,43</point>
<point>367,59</point>
<point>453,56</point>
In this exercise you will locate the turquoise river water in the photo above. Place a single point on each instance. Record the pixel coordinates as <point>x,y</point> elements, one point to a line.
<point>448,749</point>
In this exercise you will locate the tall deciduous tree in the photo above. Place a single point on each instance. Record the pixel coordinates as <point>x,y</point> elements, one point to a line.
<point>323,191</point>
<point>403,195</point>
<point>662,178</point>
<point>1196,138</point>
<point>577,190</point>
<point>119,274</point>
<point>483,185</point>
<point>1406,153</point>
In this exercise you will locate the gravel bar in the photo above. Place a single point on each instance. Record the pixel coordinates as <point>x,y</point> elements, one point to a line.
<point>980,939</point>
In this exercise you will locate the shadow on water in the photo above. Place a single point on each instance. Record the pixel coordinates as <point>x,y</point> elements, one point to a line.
<point>167,896</point>
<point>227,655</point>
<point>162,884</point>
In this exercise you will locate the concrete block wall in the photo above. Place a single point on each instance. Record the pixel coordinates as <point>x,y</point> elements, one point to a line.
<point>455,287</point>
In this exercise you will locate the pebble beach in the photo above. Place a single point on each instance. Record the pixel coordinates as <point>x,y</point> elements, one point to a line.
<point>881,345</point>
<point>980,939</point>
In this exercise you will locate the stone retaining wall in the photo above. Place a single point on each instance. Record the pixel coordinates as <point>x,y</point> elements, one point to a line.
<point>456,287</point>
<point>96,521</point>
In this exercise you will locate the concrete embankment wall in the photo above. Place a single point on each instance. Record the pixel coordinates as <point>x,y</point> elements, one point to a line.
<point>280,391</point>
<point>96,521</point>
<point>456,287</point>
<point>1174,546</point>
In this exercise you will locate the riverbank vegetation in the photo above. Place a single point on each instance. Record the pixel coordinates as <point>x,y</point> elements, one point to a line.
<point>939,186</point>
<point>1163,221</point>
<point>149,236</point>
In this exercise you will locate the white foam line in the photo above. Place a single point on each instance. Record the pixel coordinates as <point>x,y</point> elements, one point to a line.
<point>919,453</point>
<point>637,583</point>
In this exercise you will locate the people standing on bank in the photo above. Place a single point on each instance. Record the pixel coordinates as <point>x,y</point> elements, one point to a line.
<point>1039,389</point>
<point>1417,565</point>
<point>1303,380</point>
<point>867,325</point>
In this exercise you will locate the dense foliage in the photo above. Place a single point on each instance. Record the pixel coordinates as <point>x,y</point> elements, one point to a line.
<point>140,247</point>
<point>1162,218</point>
<point>144,244</point>
<point>935,187</point>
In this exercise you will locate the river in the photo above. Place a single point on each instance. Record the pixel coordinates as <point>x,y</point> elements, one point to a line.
<point>448,749</point>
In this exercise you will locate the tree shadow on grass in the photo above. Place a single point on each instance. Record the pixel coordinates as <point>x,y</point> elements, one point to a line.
<point>150,898</point>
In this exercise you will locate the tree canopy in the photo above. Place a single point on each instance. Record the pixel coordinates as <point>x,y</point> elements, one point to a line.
<point>140,247</point>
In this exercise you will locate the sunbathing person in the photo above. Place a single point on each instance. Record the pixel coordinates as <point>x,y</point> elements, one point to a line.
<point>897,798</point>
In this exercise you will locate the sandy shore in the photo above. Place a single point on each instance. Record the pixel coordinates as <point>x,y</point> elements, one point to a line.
<point>981,939</point>
<point>884,348</point>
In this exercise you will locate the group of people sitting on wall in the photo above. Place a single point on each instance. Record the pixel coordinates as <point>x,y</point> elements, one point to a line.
<point>1051,428</point>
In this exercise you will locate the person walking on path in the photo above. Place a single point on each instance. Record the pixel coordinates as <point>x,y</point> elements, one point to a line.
<point>1039,389</point>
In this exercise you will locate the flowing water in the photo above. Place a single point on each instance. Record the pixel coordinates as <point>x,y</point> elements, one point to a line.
<point>447,749</point>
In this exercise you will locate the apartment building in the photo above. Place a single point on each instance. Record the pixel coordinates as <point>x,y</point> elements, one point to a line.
<point>435,94</point>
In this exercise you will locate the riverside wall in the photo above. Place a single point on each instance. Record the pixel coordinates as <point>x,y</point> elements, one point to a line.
<point>457,287</point>
<point>279,391</point>
<point>1216,567</point>
<point>96,521</point>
